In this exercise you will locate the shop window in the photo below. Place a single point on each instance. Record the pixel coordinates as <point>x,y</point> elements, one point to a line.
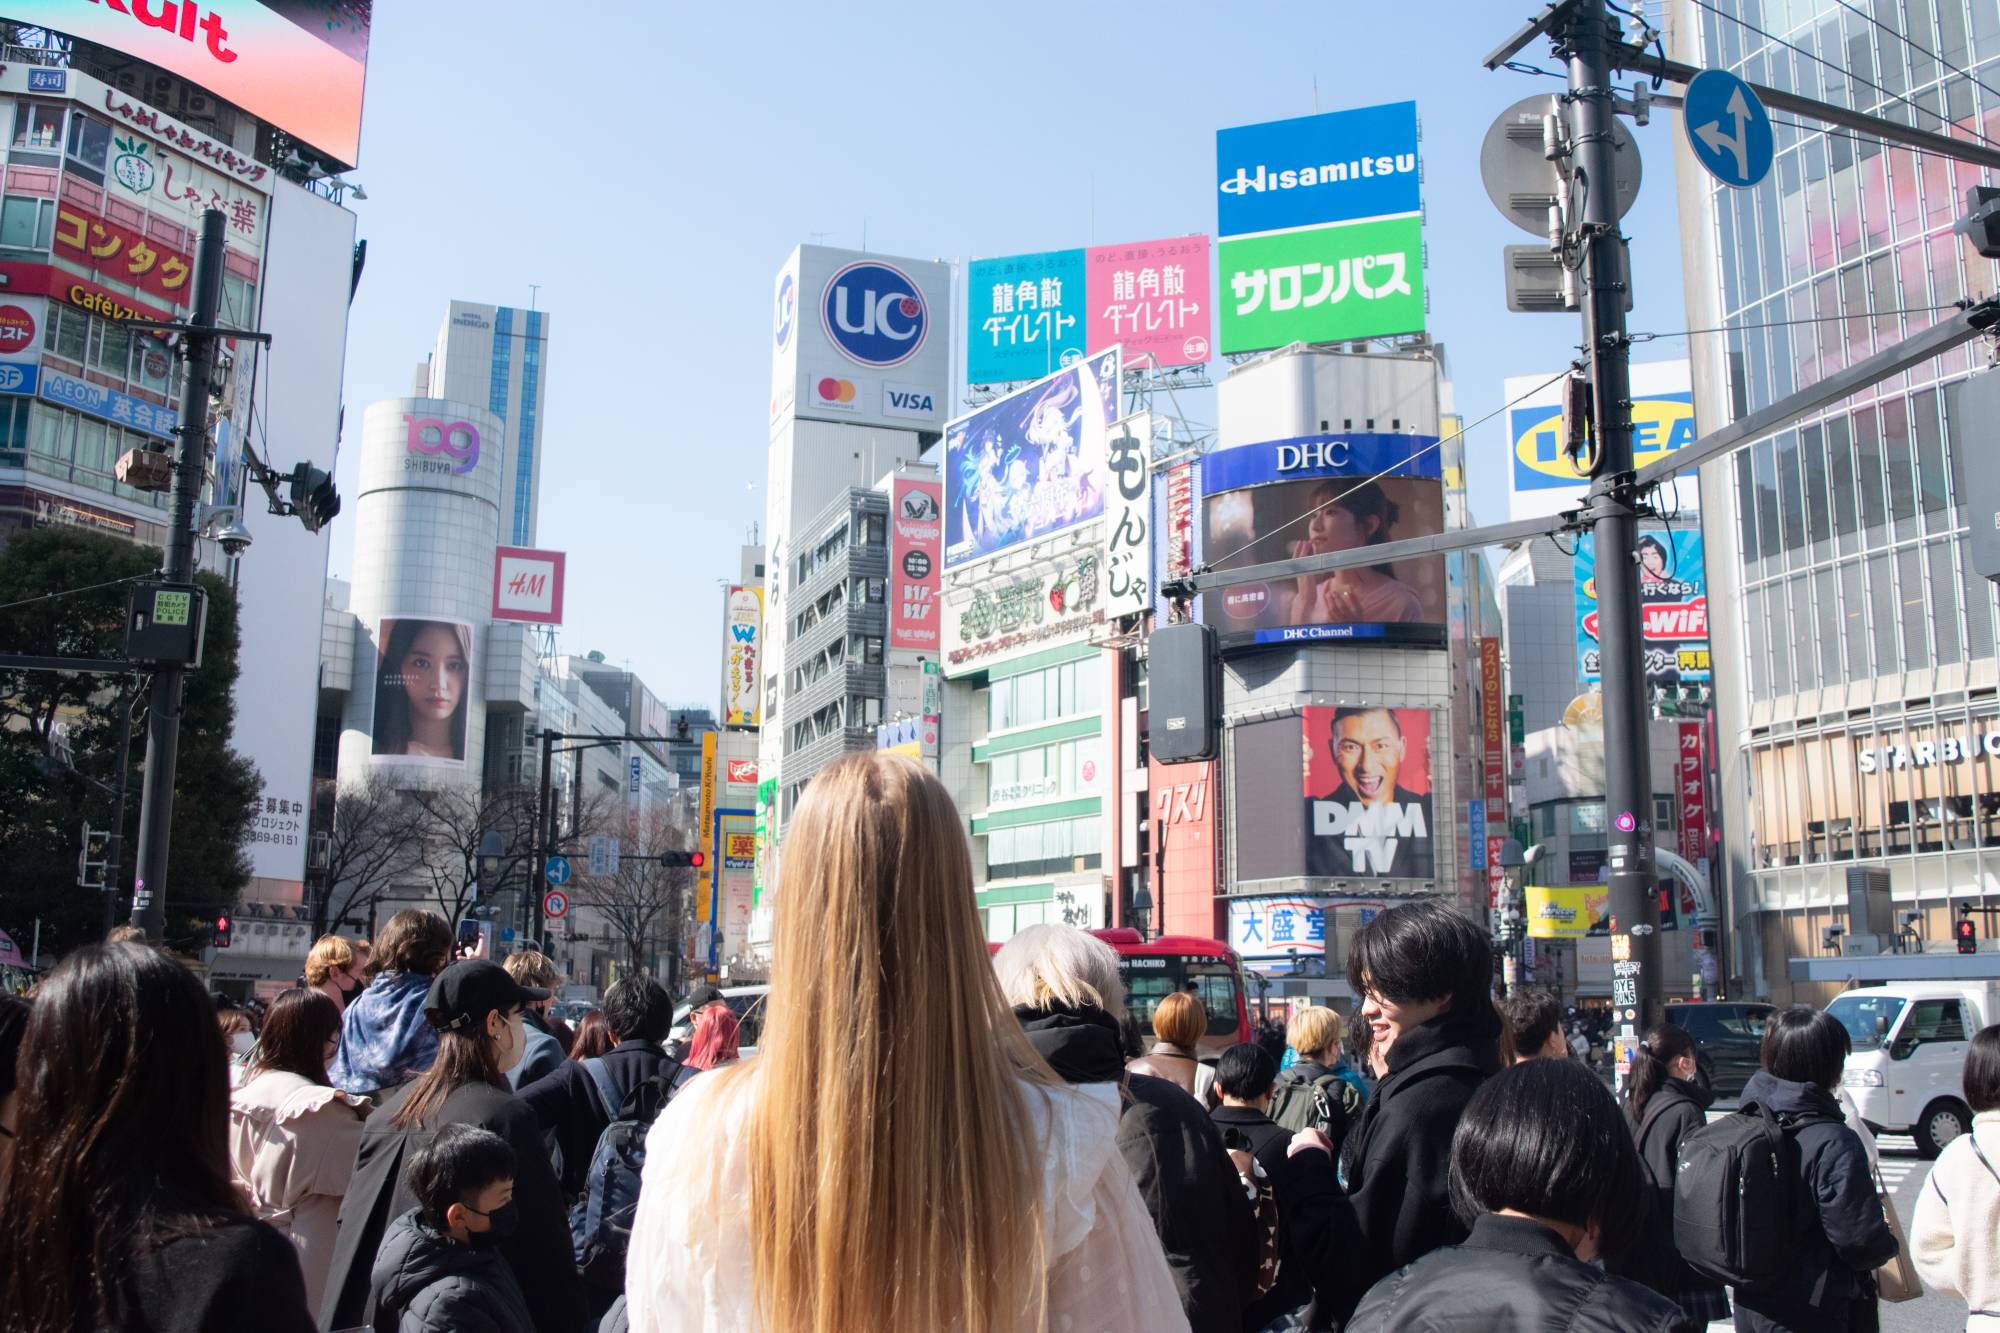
<point>153,367</point>
<point>38,125</point>
<point>91,447</point>
<point>112,353</point>
<point>67,334</point>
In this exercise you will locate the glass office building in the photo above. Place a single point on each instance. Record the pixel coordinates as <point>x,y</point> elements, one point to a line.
<point>1860,729</point>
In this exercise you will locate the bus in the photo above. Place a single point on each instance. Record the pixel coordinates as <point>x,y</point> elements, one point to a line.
<point>1156,968</point>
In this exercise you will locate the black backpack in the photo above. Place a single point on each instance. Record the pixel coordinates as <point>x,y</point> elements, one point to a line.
<point>601,1222</point>
<point>1737,1218</point>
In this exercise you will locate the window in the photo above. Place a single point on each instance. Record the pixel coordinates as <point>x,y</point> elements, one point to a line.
<point>27,223</point>
<point>38,125</point>
<point>1056,848</point>
<point>113,351</point>
<point>1936,1021</point>
<point>152,365</point>
<point>874,530</point>
<point>89,146</point>
<point>67,335</point>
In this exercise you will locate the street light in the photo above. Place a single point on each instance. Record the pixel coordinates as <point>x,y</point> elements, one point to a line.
<point>1512,919</point>
<point>1142,908</point>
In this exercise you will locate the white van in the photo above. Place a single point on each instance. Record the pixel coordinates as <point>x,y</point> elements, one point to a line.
<point>1908,1063</point>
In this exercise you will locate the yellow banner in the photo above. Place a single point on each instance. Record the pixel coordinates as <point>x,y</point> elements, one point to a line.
<point>705,835</point>
<point>1566,913</point>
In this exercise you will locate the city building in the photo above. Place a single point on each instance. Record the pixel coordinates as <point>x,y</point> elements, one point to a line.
<point>498,356</point>
<point>1857,640</point>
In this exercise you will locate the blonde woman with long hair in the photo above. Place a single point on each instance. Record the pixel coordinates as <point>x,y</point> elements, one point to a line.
<point>896,1158</point>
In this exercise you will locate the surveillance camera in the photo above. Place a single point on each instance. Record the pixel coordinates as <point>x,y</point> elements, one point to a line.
<point>234,539</point>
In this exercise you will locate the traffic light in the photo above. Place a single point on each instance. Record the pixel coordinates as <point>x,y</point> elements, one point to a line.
<point>314,499</point>
<point>1968,935</point>
<point>220,937</point>
<point>683,860</point>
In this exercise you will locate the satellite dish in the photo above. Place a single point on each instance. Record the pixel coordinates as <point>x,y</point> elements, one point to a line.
<point>1524,183</point>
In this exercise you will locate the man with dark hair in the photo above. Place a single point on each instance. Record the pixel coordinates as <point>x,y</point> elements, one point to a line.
<point>549,1039</point>
<point>1369,824</point>
<point>1245,1077</point>
<point>581,1097</point>
<point>1534,1025</point>
<point>439,1268</point>
<point>1424,973</point>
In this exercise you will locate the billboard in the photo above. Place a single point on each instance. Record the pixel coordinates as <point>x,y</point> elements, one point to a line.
<point>1002,615</point>
<point>1128,518</point>
<point>1183,803</point>
<point>861,338</point>
<point>123,254</point>
<point>1279,927</point>
<point>1540,479</point>
<point>742,657</point>
<point>528,586</point>
<point>1316,494</point>
<point>1673,597</point>
<point>423,686</point>
<point>1030,315</point>
<point>1031,464</point>
<point>1319,228</point>
<point>1568,913</point>
<point>298,64</point>
<point>916,554</point>
<point>1368,792</point>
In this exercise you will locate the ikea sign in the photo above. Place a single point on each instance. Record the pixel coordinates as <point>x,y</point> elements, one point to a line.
<point>1660,425</point>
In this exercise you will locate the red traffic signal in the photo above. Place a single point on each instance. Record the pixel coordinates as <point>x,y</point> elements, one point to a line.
<point>697,859</point>
<point>220,938</point>
<point>688,860</point>
<point>1968,935</point>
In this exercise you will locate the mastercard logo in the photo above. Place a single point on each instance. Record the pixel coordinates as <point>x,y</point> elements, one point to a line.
<point>832,390</point>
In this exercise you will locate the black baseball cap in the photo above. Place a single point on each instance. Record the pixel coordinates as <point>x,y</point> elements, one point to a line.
<point>701,995</point>
<point>465,992</point>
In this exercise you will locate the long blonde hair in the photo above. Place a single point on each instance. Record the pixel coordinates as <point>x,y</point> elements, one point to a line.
<point>894,1184</point>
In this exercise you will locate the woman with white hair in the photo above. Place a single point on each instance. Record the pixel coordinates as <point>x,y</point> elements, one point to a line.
<point>1065,989</point>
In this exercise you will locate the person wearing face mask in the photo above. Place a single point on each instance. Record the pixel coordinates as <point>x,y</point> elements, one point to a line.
<point>292,1135</point>
<point>239,1036</point>
<point>1543,1172</point>
<point>475,1009</point>
<point>440,1269</point>
<point>333,970</point>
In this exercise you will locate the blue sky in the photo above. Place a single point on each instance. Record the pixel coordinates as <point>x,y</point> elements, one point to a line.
<point>650,165</point>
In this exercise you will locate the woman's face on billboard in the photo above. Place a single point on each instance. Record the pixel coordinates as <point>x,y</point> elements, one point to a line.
<point>433,673</point>
<point>1335,529</point>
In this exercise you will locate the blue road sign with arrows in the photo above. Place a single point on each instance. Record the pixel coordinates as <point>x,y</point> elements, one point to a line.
<point>558,871</point>
<point>1728,128</point>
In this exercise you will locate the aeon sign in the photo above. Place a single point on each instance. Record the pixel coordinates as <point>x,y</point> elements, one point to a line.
<point>456,441</point>
<point>874,314</point>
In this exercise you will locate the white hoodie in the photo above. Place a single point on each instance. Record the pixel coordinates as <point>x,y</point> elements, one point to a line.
<point>1955,1238</point>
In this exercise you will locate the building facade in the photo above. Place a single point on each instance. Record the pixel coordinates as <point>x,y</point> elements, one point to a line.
<point>1855,645</point>
<point>497,356</point>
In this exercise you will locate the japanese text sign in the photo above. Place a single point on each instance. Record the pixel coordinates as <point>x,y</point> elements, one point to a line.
<point>1673,599</point>
<point>120,409</point>
<point>122,254</point>
<point>1025,315</point>
<point>1493,721</point>
<point>742,662</point>
<point>1151,299</point>
<point>916,556</point>
<point>1327,284</point>
<point>1031,315</point>
<point>1278,927</point>
<point>1691,792</point>
<point>1128,517</point>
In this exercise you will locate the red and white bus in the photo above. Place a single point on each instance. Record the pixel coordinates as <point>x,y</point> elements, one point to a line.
<point>1209,969</point>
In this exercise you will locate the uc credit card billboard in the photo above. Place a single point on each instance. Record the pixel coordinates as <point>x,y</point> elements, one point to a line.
<point>861,338</point>
<point>1319,228</point>
<point>1030,315</point>
<point>1673,596</point>
<point>1540,479</point>
<point>1314,495</point>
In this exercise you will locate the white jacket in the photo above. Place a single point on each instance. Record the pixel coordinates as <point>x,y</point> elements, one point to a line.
<point>1955,1238</point>
<point>688,1268</point>
<point>291,1151</point>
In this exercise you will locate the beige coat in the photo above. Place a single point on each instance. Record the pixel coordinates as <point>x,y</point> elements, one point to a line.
<point>291,1151</point>
<point>1955,1235</point>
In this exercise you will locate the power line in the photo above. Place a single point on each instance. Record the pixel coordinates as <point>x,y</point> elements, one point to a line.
<point>77,592</point>
<point>1438,444</point>
<point>1946,123</point>
<point>1905,40</point>
<point>1809,319</point>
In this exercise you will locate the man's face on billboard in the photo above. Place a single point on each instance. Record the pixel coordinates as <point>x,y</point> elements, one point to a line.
<point>1369,750</point>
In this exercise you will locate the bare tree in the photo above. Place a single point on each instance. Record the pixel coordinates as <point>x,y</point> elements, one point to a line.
<point>453,825</point>
<point>642,904</point>
<point>375,840</point>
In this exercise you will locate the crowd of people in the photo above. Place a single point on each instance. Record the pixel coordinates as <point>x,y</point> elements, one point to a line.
<point>928,1137</point>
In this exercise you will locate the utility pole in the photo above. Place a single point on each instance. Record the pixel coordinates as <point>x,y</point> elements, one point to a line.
<point>1611,511</point>
<point>114,844</point>
<point>163,709</point>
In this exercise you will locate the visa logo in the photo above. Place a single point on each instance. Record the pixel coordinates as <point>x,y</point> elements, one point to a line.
<point>911,402</point>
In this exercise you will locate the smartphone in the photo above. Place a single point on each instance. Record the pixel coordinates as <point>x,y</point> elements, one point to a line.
<point>468,934</point>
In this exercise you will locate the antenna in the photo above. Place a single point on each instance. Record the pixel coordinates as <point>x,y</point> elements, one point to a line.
<point>534,293</point>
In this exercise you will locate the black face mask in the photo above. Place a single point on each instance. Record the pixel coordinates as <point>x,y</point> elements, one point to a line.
<point>501,1224</point>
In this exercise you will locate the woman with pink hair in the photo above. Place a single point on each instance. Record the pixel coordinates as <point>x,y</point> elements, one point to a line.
<point>712,1044</point>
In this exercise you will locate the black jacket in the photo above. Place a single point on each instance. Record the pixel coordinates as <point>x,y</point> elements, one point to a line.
<point>1843,1235</point>
<point>1176,1155</point>
<point>238,1276</point>
<point>567,1102</point>
<point>1677,1110</point>
<point>1512,1275</point>
<point>1391,1201</point>
<point>540,1251</point>
<point>427,1283</point>
<point>1269,1143</point>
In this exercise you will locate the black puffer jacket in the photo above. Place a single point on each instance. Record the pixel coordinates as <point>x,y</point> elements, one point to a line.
<point>1844,1236</point>
<point>1391,1202</point>
<point>1512,1273</point>
<point>424,1283</point>
<point>1197,1203</point>
<point>1677,1110</point>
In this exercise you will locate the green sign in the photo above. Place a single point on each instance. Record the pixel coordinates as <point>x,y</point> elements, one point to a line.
<point>1324,284</point>
<point>172,608</point>
<point>767,797</point>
